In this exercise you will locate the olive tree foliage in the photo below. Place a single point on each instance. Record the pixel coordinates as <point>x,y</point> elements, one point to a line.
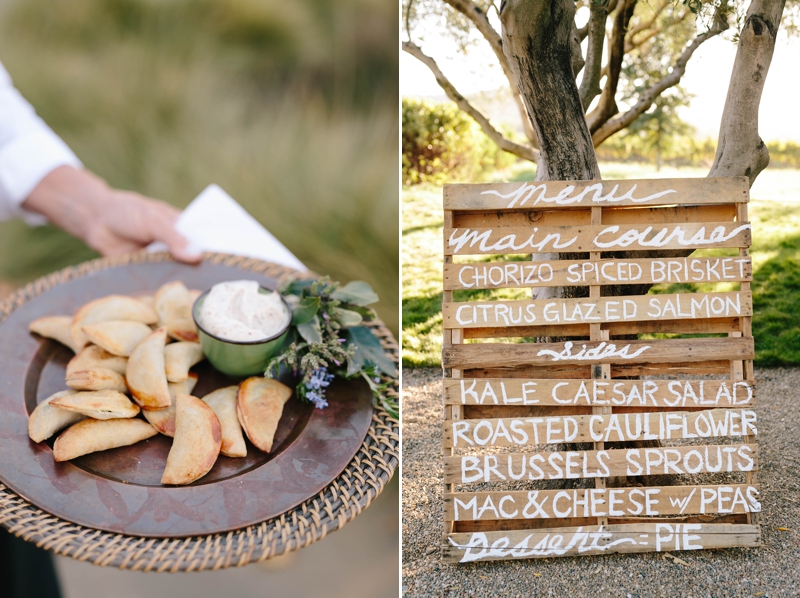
<point>571,80</point>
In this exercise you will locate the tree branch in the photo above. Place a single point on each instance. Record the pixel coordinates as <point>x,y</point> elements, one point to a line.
<point>649,96</point>
<point>481,21</point>
<point>521,151</point>
<point>607,107</point>
<point>590,84</point>
<point>408,18</point>
<point>648,24</point>
<point>632,44</point>
<point>740,149</point>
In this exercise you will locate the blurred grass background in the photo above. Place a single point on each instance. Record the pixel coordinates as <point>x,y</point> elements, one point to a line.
<point>291,107</point>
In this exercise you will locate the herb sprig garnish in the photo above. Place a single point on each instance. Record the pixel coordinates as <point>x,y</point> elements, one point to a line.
<point>328,338</point>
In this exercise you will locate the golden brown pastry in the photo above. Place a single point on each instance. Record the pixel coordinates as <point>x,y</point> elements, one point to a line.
<point>146,376</point>
<point>93,357</point>
<point>113,307</point>
<point>164,419</point>
<point>259,405</point>
<point>92,435</point>
<point>197,441</point>
<point>173,303</point>
<point>118,337</point>
<point>98,404</point>
<point>46,420</point>
<point>97,379</point>
<point>179,357</point>
<point>223,402</point>
<point>55,327</point>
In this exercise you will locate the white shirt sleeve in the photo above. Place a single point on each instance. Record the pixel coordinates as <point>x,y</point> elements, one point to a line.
<point>29,151</point>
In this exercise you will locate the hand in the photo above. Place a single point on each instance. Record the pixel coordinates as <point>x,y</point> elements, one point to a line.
<point>110,221</point>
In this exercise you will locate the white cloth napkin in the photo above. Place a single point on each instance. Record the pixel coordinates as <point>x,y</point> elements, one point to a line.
<point>214,221</point>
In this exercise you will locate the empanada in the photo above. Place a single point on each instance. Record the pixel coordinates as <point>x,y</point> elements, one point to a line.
<point>183,330</point>
<point>179,357</point>
<point>119,337</point>
<point>46,420</point>
<point>146,376</point>
<point>259,405</point>
<point>113,307</point>
<point>173,304</point>
<point>55,327</point>
<point>93,357</point>
<point>164,419</point>
<point>92,435</point>
<point>223,402</point>
<point>97,379</point>
<point>197,441</point>
<point>98,404</point>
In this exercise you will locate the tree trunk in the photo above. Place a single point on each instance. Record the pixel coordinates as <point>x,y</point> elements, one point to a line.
<point>537,35</point>
<point>740,150</point>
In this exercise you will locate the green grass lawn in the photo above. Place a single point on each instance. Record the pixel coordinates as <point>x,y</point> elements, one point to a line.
<point>775,253</point>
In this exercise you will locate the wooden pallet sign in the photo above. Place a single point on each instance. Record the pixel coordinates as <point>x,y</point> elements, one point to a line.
<point>603,422</point>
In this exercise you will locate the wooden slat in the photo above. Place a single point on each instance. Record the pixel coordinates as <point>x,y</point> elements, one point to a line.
<point>616,237</point>
<point>581,331</point>
<point>624,370</point>
<point>611,502</point>
<point>560,465</point>
<point>593,540</point>
<point>599,372</point>
<point>572,194</point>
<point>447,341</point>
<point>497,275</point>
<point>678,368</point>
<point>550,312</point>
<point>553,525</point>
<point>711,423</point>
<point>639,215</point>
<point>617,393</point>
<point>498,355</point>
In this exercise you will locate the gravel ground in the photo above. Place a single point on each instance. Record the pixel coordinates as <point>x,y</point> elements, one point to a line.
<point>770,571</point>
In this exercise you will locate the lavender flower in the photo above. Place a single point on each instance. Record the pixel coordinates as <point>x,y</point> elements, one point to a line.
<point>319,401</point>
<point>319,380</point>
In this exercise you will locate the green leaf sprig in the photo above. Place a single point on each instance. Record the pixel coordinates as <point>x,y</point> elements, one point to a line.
<point>328,337</point>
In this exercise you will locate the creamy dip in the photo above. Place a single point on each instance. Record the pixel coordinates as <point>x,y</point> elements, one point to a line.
<point>236,311</point>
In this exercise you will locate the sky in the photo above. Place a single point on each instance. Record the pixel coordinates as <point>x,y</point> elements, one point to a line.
<point>707,76</point>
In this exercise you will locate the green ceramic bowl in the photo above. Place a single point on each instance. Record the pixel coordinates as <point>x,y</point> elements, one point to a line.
<point>237,358</point>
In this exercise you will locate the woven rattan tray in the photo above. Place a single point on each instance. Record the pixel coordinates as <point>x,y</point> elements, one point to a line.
<point>339,502</point>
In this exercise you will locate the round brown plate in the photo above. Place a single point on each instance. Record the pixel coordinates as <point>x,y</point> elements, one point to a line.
<point>119,490</point>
